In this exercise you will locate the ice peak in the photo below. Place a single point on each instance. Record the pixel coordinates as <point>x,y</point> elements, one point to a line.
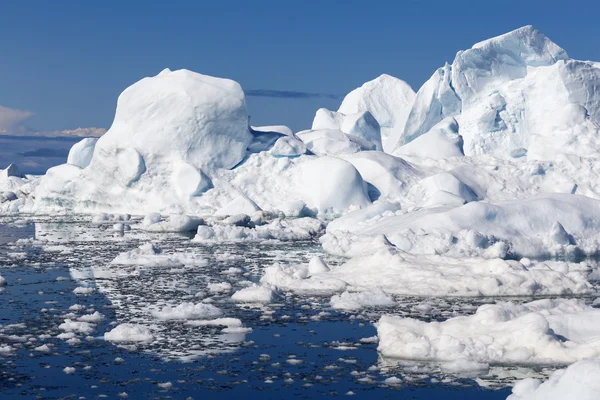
<point>527,42</point>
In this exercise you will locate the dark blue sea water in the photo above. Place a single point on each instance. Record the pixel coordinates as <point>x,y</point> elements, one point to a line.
<point>298,347</point>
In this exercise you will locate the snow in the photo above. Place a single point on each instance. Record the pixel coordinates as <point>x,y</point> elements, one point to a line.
<point>11,171</point>
<point>77,326</point>
<point>579,381</point>
<point>169,131</point>
<point>282,129</point>
<point>81,153</point>
<point>284,229</point>
<point>288,146</point>
<point>361,125</point>
<point>186,311</point>
<point>493,90</point>
<point>333,185</point>
<point>441,141</point>
<point>221,287</point>
<point>546,331</point>
<point>239,205</point>
<point>381,266</point>
<point>386,98</point>
<point>129,333</point>
<point>333,142</point>
<point>254,294</point>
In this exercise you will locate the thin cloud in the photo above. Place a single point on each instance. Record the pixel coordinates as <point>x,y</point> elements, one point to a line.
<point>290,94</point>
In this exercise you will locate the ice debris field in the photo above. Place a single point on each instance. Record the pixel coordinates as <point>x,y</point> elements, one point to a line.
<point>444,237</point>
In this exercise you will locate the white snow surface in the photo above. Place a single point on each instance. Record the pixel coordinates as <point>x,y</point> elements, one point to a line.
<point>579,381</point>
<point>515,94</point>
<point>81,153</point>
<point>550,331</point>
<point>168,130</point>
<point>386,98</point>
<point>381,267</point>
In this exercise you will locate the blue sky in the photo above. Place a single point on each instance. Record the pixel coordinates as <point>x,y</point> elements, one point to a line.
<point>67,61</point>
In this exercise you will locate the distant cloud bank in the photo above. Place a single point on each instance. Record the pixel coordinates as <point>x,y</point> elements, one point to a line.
<point>290,94</point>
<point>10,117</point>
<point>11,123</point>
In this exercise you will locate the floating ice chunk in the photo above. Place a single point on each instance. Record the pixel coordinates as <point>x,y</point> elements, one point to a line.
<point>204,233</point>
<point>358,300</point>
<point>229,322</point>
<point>94,318</point>
<point>188,311</point>
<point>222,287</point>
<point>254,294</point>
<point>129,333</point>
<point>317,266</point>
<point>2,281</point>
<point>579,381</point>
<point>77,326</point>
<point>149,256</point>
<point>288,146</point>
<point>333,185</point>
<point>541,332</point>
<point>393,381</point>
<point>43,348</point>
<point>69,370</point>
<point>84,290</point>
<point>295,279</point>
<point>81,152</point>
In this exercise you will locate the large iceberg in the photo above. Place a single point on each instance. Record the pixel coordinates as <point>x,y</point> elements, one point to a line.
<point>513,94</point>
<point>169,131</point>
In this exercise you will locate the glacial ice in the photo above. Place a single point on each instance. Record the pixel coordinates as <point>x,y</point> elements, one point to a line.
<point>81,153</point>
<point>486,186</point>
<point>386,98</point>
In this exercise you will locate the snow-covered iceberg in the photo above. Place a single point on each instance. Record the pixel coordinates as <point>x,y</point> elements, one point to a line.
<point>518,93</point>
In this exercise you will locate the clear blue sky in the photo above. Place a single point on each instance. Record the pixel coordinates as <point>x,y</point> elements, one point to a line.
<point>67,61</point>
